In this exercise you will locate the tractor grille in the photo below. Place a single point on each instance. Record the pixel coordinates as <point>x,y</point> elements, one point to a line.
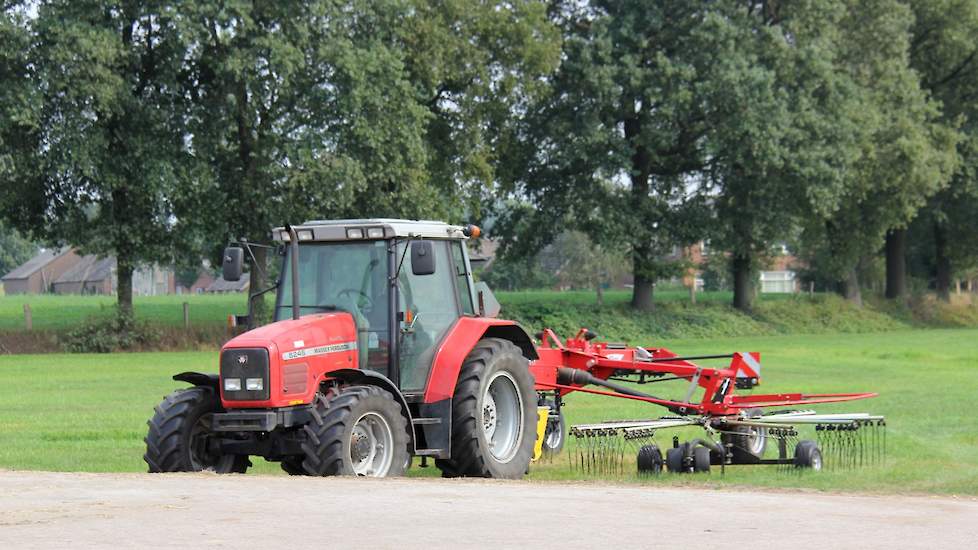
<point>245,363</point>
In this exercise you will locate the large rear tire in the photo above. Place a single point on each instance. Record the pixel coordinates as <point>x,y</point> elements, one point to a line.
<point>180,434</point>
<point>493,414</point>
<point>356,430</point>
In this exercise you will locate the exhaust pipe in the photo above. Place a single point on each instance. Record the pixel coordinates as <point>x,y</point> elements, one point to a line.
<point>294,254</point>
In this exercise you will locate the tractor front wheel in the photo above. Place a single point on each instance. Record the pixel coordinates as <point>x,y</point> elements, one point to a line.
<point>356,430</point>
<point>493,414</point>
<point>180,436</point>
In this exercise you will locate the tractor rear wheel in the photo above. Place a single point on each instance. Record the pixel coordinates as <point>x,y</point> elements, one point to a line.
<point>493,414</point>
<point>179,438</point>
<point>356,430</point>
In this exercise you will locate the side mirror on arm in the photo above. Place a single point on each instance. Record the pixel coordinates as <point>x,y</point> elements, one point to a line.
<point>422,258</point>
<point>233,263</point>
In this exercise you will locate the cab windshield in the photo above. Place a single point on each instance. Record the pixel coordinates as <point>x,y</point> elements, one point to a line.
<point>344,276</point>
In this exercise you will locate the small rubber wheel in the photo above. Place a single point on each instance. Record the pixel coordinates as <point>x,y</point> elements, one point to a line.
<point>747,443</point>
<point>701,459</point>
<point>674,459</point>
<point>553,437</point>
<point>808,455</point>
<point>649,460</point>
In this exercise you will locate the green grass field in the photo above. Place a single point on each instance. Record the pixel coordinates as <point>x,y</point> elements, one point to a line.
<point>89,412</point>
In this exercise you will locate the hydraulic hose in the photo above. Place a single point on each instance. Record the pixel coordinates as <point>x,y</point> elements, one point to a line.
<point>569,377</point>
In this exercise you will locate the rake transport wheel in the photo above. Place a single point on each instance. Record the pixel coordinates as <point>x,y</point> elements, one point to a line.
<point>493,414</point>
<point>180,434</point>
<point>747,443</point>
<point>554,436</point>
<point>701,459</point>
<point>355,430</point>
<point>676,458</point>
<point>808,455</point>
<point>649,460</point>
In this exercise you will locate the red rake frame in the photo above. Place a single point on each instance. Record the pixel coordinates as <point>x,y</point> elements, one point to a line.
<point>601,363</point>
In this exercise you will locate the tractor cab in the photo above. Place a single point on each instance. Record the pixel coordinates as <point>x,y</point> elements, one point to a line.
<point>404,283</point>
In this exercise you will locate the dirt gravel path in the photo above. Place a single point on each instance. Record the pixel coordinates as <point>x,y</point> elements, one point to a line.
<point>58,510</point>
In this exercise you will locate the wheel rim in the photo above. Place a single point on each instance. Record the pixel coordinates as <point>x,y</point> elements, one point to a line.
<point>502,416</point>
<point>816,460</point>
<point>371,445</point>
<point>756,440</point>
<point>555,434</point>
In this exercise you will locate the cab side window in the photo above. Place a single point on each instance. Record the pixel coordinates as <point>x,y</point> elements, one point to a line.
<point>462,279</point>
<point>430,302</point>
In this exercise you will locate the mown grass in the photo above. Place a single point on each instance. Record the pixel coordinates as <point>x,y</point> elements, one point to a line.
<point>88,412</point>
<point>61,312</point>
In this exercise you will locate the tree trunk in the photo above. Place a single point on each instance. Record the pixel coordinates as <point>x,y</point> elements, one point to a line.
<point>943,262</point>
<point>600,292</point>
<point>850,287</point>
<point>743,297</point>
<point>124,269</point>
<point>642,290</point>
<point>258,281</point>
<point>896,263</point>
<point>641,180</point>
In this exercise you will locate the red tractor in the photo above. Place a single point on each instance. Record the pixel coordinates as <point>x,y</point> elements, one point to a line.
<point>382,348</point>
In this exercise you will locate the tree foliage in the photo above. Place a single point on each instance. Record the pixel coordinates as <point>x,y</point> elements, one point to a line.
<point>105,139</point>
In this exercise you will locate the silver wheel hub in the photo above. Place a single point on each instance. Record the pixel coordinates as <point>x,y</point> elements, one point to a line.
<point>502,416</point>
<point>489,416</point>
<point>371,445</point>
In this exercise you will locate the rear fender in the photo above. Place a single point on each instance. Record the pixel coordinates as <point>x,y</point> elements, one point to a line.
<point>459,342</point>
<point>201,379</point>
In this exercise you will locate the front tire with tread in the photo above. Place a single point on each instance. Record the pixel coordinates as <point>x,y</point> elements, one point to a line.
<point>177,440</point>
<point>330,433</point>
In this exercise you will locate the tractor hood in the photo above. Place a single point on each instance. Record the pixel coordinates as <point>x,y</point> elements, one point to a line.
<point>316,329</point>
<point>294,353</point>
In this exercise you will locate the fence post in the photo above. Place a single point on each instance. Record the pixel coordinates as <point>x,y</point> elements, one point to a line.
<point>811,288</point>
<point>28,317</point>
<point>186,315</point>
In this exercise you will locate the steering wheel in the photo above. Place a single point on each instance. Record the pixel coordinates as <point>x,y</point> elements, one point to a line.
<point>364,302</point>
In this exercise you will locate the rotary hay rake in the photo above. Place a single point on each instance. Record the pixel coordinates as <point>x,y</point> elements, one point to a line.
<point>735,428</point>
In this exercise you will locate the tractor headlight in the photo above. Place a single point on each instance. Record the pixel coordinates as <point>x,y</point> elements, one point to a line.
<point>232,384</point>
<point>354,233</point>
<point>375,233</point>
<point>254,384</point>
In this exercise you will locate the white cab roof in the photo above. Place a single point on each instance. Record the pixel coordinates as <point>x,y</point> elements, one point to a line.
<point>336,230</point>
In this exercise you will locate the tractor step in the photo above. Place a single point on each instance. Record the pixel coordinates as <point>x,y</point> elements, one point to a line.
<point>425,421</point>
<point>429,452</point>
